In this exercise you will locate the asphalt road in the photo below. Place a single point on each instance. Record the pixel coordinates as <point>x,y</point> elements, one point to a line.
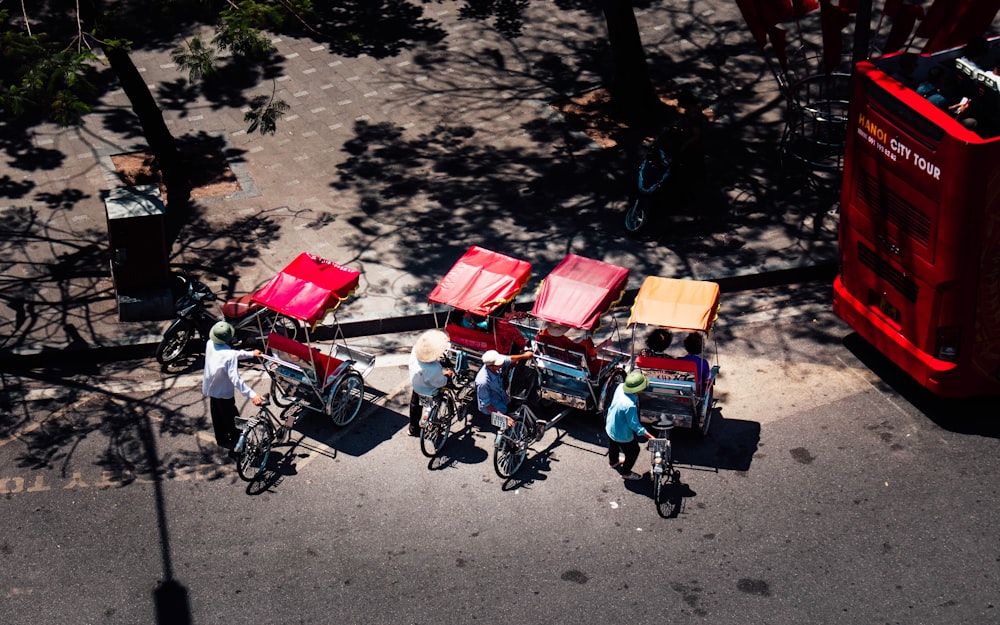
<point>822,495</point>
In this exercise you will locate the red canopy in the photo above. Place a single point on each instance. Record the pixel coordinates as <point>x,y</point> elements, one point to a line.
<point>578,291</point>
<point>481,281</point>
<point>308,288</point>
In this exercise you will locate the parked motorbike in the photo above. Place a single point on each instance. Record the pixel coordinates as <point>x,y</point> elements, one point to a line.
<point>672,157</point>
<point>251,321</point>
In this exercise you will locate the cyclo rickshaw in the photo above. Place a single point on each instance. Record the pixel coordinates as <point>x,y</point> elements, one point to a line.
<point>309,290</point>
<point>680,392</point>
<point>573,373</point>
<point>477,291</point>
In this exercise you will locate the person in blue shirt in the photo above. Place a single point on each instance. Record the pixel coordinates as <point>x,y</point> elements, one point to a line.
<point>491,396</point>
<point>623,427</point>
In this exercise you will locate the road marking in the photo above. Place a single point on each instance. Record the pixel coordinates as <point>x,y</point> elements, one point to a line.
<point>31,427</point>
<point>181,381</point>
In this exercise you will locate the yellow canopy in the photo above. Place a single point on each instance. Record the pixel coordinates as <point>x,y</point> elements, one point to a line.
<point>673,303</point>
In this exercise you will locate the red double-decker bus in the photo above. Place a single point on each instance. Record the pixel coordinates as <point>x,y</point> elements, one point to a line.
<point>920,225</point>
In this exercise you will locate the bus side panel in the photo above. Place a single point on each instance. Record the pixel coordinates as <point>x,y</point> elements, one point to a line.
<point>911,222</point>
<point>986,346</point>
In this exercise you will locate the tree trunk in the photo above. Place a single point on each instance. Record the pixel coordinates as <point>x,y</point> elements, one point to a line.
<point>632,91</point>
<point>161,142</point>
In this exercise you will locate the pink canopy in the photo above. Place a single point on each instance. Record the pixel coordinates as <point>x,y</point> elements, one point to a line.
<point>481,281</point>
<point>578,291</point>
<point>308,288</point>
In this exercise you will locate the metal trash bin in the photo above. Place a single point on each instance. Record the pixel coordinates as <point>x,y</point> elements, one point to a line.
<point>139,258</point>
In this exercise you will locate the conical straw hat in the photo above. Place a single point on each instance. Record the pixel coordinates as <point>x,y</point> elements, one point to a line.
<point>431,345</point>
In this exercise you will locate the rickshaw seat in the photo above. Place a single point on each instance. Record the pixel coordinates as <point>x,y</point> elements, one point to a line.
<point>480,341</point>
<point>320,365</point>
<point>673,369</point>
<point>569,351</point>
<point>472,339</point>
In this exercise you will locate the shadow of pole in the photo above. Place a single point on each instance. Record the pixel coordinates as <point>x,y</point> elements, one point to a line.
<point>170,597</point>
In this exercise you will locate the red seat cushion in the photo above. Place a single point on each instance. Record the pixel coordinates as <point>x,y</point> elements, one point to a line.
<point>478,340</point>
<point>304,356</point>
<point>669,365</point>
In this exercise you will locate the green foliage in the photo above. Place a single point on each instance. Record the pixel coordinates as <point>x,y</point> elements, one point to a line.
<point>239,31</point>
<point>196,57</point>
<point>264,114</point>
<point>37,76</point>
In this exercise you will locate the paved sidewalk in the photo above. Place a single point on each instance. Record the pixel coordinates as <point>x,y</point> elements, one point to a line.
<point>396,165</point>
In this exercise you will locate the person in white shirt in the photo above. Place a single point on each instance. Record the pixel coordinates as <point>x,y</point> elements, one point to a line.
<point>427,373</point>
<point>222,379</point>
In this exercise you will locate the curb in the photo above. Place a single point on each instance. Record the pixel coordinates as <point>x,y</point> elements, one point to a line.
<point>145,346</point>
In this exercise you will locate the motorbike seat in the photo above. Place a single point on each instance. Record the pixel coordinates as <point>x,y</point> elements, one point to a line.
<point>239,307</point>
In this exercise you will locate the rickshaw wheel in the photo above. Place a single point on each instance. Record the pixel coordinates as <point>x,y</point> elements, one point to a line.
<point>345,400</point>
<point>610,387</point>
<point>279,395</point>
<point>706,416</point>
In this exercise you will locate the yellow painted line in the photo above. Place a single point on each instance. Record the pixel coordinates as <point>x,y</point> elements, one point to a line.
<point>31,427</point>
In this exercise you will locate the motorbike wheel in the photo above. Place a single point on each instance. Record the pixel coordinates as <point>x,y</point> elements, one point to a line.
<point>637,215</point>
<point>173,344</point>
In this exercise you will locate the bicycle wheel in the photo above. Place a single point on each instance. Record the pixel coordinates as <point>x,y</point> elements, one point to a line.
<point>509,454</point>
<point>657,487</point>
<point>251,461</point>
<point>638,213</point>
<point>434,435</point>
<point>344,402</point>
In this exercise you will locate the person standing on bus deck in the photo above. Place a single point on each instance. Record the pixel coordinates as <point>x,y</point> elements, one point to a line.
<point>427,374</point>
<point>222,379</point>
<point>623,427</point>
<point>978,108</point>
<point>931,88</point>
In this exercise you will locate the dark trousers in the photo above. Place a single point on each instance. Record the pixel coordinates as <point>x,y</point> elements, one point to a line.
<point>631,450</point>
<point>416,411</point>
<point>224,413</point>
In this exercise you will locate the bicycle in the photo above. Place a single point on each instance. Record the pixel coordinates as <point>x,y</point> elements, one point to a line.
<point>511,445</point>
<point>444,407</point>
<point>257,434</point>
<point>661,458</point>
